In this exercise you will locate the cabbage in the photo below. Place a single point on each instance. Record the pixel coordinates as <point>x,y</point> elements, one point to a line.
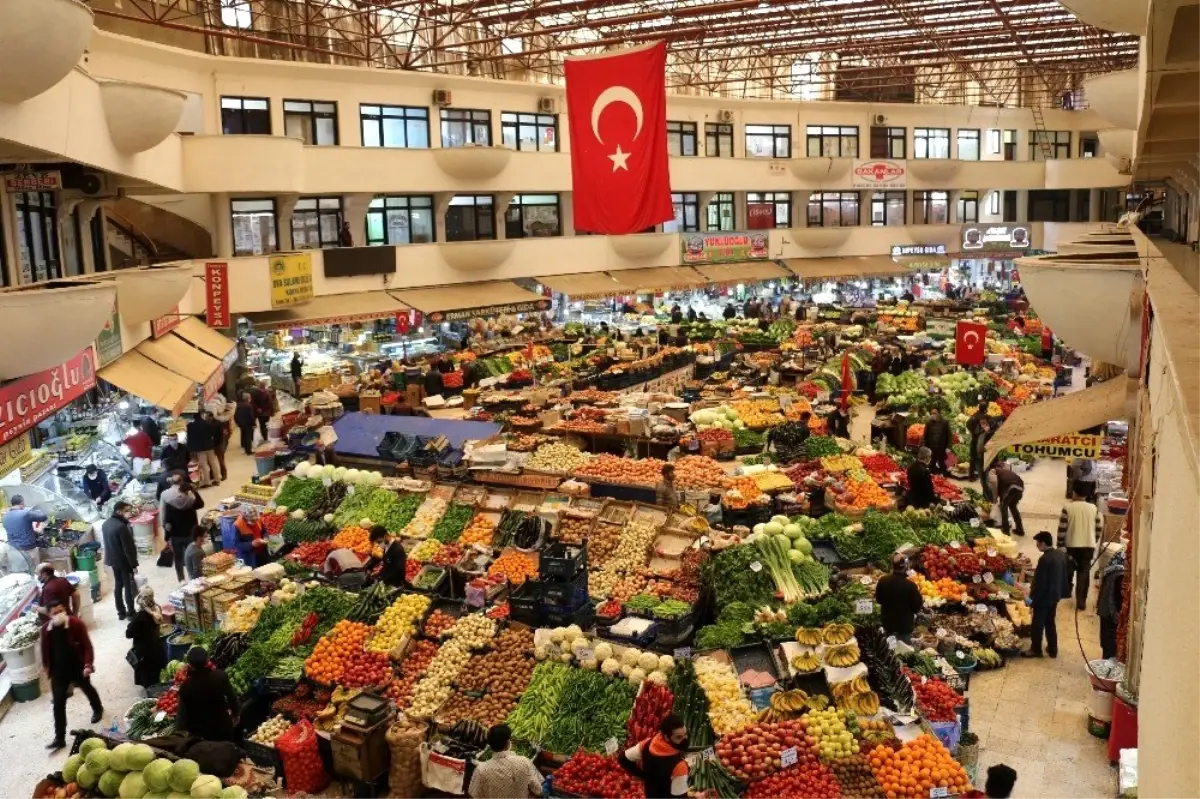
<point>793,530</point>
<point>803,545</point>
<point>796,556</point>
<point>100,761</point>
<point>780,520</point>
<point>783,541</point>
<point>730,413</point>
<point>158,776</point>
<point>636,676</point>
<point>178,795</point>
<point>232,792</point>
<point>648,662</point>
<point>71,767</point>
<point>90,745</point>
<point>353,476</point>
<point>759,528</point>
<point>85,777</point>
<point>302,469</point>
<point>773,528</point>
<point>206,786</point>
<point>139,757</point>
<point>183,773</point>
<point>132,786</point>
<point>110,783</point>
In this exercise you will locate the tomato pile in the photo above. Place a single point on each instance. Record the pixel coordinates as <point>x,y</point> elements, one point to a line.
<point>599,777</point>
<point>311,553</point>
<point>168,702</point>
<point>881,467</point>
<point>754,751</point>
<point>937,563</point>
<point>808,780</point>
<point>937,700</point>
<point>272,523</point>
<point>653,705</point>
<point>365,668</point>
<point>411,672</point>
<point>438,623</point>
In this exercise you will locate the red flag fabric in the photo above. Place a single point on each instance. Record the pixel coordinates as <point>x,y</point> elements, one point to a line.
<point>617,113</point>
<point>970,343</point>
<point>402,322</point>
<point>847,386</point>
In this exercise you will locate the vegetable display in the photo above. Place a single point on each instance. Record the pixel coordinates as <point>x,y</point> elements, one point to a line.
<point>592,709</point>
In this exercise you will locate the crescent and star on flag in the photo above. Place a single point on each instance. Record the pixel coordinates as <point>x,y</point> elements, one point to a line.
<point>611,95</point>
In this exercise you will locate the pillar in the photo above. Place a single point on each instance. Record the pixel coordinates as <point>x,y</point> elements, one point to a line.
<point>285,205</point>
<point>441,204</point>
<point>566,212</point>
<point>1094,205</point>
<point>704,198</point>
<point>739,209</point>
<point>222,226</point>
<point>354,213</point>
<point>503,200</point>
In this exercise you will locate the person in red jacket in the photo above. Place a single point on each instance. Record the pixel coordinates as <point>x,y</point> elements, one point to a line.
<point>140,444</point>
<point>67,658</point>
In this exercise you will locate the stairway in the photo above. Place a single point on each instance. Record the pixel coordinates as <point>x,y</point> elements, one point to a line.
<point>166,236</point>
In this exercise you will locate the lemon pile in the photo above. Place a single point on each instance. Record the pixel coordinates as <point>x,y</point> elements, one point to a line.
<point>398,621</point>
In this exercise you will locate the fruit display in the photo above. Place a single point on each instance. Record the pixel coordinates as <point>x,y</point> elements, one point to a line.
<point>698,472</point>
<point>490,684</point>
<point>270,729</point>
<point>728,708</point>
<point>856,695</point>
<point>597,776</point>
<point>631,553</point>
<point>558,457</point>
<point>330,656</point>
<point>936,700</point>
<point>479,531</point>
<point>753,752</point>
<point>917,767</point>
<point>399,620</point>
<point>426,518</point>
<point>354,538</point>
<point>654,703</point>
<point>841,655</point>
<point>622,471</point>
<point>438,624</point>
<point>425,550</point>
<point>514,566</point>
<point>412,669</point>
<point>940,591</point>
<point>813,781</point>
<point>572,529</point>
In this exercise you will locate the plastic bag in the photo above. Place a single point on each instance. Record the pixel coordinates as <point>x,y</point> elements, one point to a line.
<point>442,773</point>
<point>301,758</point>
<point>404,774</point>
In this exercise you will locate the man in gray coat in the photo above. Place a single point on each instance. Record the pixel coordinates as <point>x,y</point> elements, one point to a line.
<point>120,554</point>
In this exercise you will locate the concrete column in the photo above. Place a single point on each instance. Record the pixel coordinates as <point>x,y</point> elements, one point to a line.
<point>1094,205</point>
<point>354,213</point>
<point>441,204</point>
<point>502,201</point>
<point>800,208</point>
<point>739,209</point>
<point>87,212</point>
<point>1072,204</point>
<point>285,205</point>
<point>1022,206</point>
<point>222,226</point>
<point>704,198</point>
<point>566,213</point>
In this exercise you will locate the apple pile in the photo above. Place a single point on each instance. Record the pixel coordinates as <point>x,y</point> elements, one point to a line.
<point>754,751</point>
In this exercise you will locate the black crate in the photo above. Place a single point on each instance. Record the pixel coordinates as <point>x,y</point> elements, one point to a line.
<point>561,592</point>
<point>387,446</point>
<point>561,561</point>
<point>526,599</point>
<point>584,616</point>
<point>567,604</point>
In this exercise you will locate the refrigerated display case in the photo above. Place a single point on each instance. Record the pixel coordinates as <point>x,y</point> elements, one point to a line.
<point>17,584</point>
<point>61,500</point>
<point>103,454</point>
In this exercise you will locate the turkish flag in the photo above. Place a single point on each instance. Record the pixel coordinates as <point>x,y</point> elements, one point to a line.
<point>617,112</point>
<point>970,343</point>
<point>402,323</point>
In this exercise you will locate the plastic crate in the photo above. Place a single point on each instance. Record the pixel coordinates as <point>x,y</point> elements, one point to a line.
<point>261,754</point>
<point>565,605</point>
<point>388,443</point>
<point>525,601</point>
<point>640,641</point>
<point>584,616</point>
<point>562,592</point>
<point>561,561</point>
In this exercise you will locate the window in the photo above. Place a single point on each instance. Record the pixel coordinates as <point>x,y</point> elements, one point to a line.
<point>888,208</point>
<point>833,209</point>
<point>316,222</point>
<point>315,122</point>
<point>396,219</point>
<point>462,127</point>
<point>471,217</point>
<point>994,203</point>
<point>681,138</point>
<point>718,140</point>
<point>1049,206</point>
<point>528,131</point>
<point>1089,147</point>
<point>1058,144</point>
<point>889,142</point>
<point>720,212</point>
<point>768,141</point>
<point>687,213</point>
<point>832,142</point>
<point>968,206</point>
<point>777,207</point>
<point>968,145</point>
<point>930,208</point>
<point>931,142</point>
<point>994,141</point>
<point>394,126</point>
<point>236,14</point>
<point>37,235</point>
<point>245,115</point>
<point>1010,145</point>
<point>1083,205</point>
<point>255,228</point>
<point>72,254</point>
<point>533,216</point>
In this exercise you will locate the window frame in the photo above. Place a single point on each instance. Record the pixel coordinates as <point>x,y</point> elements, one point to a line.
<point>925,136</point>
<point>958,143</point>
<point>722,200</point>
<point>778,199</point>
<point>366,118</point>
<point>383,212</point>
<point>241,112</point>
<point>472,125</point>
<point>966,199</point>
<point>714,134</point>
<point>516,124</point>
<point>780,136</point>
<point>518,204</point>
<point>820,200</point>
<point>887,139</point>
<point>927,199</point>
<point>1057,144</point>
<point>683,131</point>
<point>234,213</point>
<point>311,118</point>
<point>886,201</point>
<point>37,217</point>
<point>336,212</point>
<point>682,202</point>
<point>993,138</point>
<point>843,137</point>
<point>479,215</point>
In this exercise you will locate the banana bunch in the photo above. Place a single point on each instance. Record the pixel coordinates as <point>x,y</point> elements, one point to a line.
<point>838,634</point>
<point>785,705</point>
<point>856,695</point>
<point>809,636</point>
<point>864,704</point>
<point>817,702</point>
<point>842,655</point>
<point>807,662</point>
<point>988,658</point>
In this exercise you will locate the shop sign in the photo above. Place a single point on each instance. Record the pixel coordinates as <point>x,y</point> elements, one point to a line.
<point>533,306</point>
<point>15,453</point>
<point>760,216</point>
<point>28,400</point>
<point>49,180</point>
<point>109,346</point>
<point>918,249</point>
<point>164,324</point>
<point>727,247</point>
<point>216,293</point>
<point>994,238</point>
<point>291,279</point>
<point>878,174</point>
<point>1069,446</point>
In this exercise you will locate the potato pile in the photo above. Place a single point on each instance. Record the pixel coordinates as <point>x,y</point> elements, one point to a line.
<point>629,557</point>
<point>573,530</point>
<point>557,456</point>
<point>622,471</point>
<point>501,675</point>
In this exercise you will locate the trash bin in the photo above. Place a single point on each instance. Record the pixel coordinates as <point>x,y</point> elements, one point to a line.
<point>1123,733</point>
<point>21,658</point>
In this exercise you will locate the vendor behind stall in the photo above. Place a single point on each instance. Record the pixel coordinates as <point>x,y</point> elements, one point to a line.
<point>920,481</point>
<point>95,485</point>
<point>394,558</point>
<point>251,544</point>
<point>665,493</point>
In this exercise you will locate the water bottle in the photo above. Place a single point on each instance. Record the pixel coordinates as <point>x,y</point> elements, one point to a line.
<point>115,727</point>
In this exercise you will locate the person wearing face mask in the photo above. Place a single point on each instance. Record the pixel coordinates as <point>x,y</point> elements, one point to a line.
<point>120,555</point>
<point>95,485</point>
<point>175,456</point>
<point>55,590</point>
<point>659,762</point>
<point>148,657</point>
<point>67,658</point>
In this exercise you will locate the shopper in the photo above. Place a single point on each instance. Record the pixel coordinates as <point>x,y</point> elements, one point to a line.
<point>1010,488</point>
<point>394,559</point>
<point>1080,525</point>
<point>147,655</point>
<point>839,422</point>
<point>208,707</point>
<point>730,312</point>
<point>659,762</point>
<point>345,237</point>
<point>55,590</point>
<point>297,369</point>
<point>193,556</point>
<point>178,509</point>
<point>976,427</point>
<point>202,443</point>
<point>243,417</point>
<point>67,658</point>
<point>264,407</point>
<point>937,438</point>
<point>665,493</point>
<point>899,601</point>
<point>1044,594</point>
<point>676,314</point>
<point>175,456</point>
<point>691,314</point>
<point>19,524</point>
<point>120,555</point>
<point>1082,474</point>
<point>140,445</point>
<point>507,775</point>
<point>979,457</point>
<point>223,419</point>
<point>152,428</point>
<point>1000,782</point>
<point>920,493</point>
<point>95,485</point>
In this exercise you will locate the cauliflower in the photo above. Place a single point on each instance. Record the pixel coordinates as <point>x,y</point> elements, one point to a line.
<point>657,677</point>
<point>604,650</point>
<point>666,663</point>
<point>648,661</point>
<point>636,676</point>
<point>630,657</point>
<point>610,667</point>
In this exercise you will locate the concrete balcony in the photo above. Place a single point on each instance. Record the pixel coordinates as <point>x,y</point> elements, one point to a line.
<point>41,41</point>
<point>1124,16</point>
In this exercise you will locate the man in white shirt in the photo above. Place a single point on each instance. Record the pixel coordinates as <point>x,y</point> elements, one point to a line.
<point>1079,527</point>
<point>507,775</point>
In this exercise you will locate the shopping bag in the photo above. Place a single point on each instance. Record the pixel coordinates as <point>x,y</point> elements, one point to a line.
<point>166,558</point>
<point>258,438</point>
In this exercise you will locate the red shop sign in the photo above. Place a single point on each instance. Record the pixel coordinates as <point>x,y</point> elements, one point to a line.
<point>760,216</point>
<point>216,293</point>
<point>26,401</point>
<point>162,325</point>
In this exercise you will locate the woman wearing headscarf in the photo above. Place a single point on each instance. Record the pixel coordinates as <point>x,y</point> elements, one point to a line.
<point>147,645</point>
<point>251,544</point>
<point>208,707</point>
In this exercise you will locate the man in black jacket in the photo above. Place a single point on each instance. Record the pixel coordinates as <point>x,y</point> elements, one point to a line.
<point>202,439</point>
<point>920,492</point>
<point>394,560</point>
<point>1044,595</point>
<point>937,438</point>
<point>243,417</point>
<point>899,601</point>
<point>120,555</point>
<point>977,428</point>
<point>175,456</point>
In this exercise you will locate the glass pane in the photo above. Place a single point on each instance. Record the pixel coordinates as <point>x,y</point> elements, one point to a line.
<point>508,136</point>
<point>326,131</point>
<point>850,147</point>
<point>370,133</point>
<point>330,224</point>
<point>689,144</point>
<point>422,226</point>
<point>256,105</point>
<point>375,234</point>
<point>482,133</point>
<point>783,148</point>
<point>417,131</point>
<point>674,143</point>
<point>304,231</point>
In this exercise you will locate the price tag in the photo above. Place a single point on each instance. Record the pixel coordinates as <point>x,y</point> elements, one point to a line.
<point>976,579</point>
<point>610,746</point>
<point>327,481</point>
<point>981,608</point>
<point>756,566</point>
<point>954,545</point>
<point>788,757</point>
<point>683,653</point>
<point>160,716</point>
<point>988,578</point>
<point>708,754</point>
<point>863,607</point>
<point>584,654</point>
<point>991,553</point>
<point>941,632</point>
<point>974,522</point>
<point>892,642</point>
<point>865,580</point>
<point>924,680</point>
<point>958,653</point>
<point>350,489</point>
<point>938,793</point>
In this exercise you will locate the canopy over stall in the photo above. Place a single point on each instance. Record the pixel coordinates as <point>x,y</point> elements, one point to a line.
<point>661,278</point>
<point>469,300</point>
<point>334,309</point>
<point>585,285</point>
<point>745,272</point>
<point>176,354</point>
<point>203,337</point>
<point>1064,415</point>
<point>832,268</point>
<point>142,377</point>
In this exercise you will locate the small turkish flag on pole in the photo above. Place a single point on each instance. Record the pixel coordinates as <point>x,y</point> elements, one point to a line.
<point>617,115</point>
<point>847,382</point>
<point>970,343</point>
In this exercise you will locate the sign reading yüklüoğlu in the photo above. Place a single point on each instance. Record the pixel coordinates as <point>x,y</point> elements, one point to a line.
<point>725,247</point>
<point>1071,446</point>
<point>291,279</point>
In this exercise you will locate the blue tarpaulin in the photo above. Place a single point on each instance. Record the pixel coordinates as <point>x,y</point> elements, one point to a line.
<point>359,434</point>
